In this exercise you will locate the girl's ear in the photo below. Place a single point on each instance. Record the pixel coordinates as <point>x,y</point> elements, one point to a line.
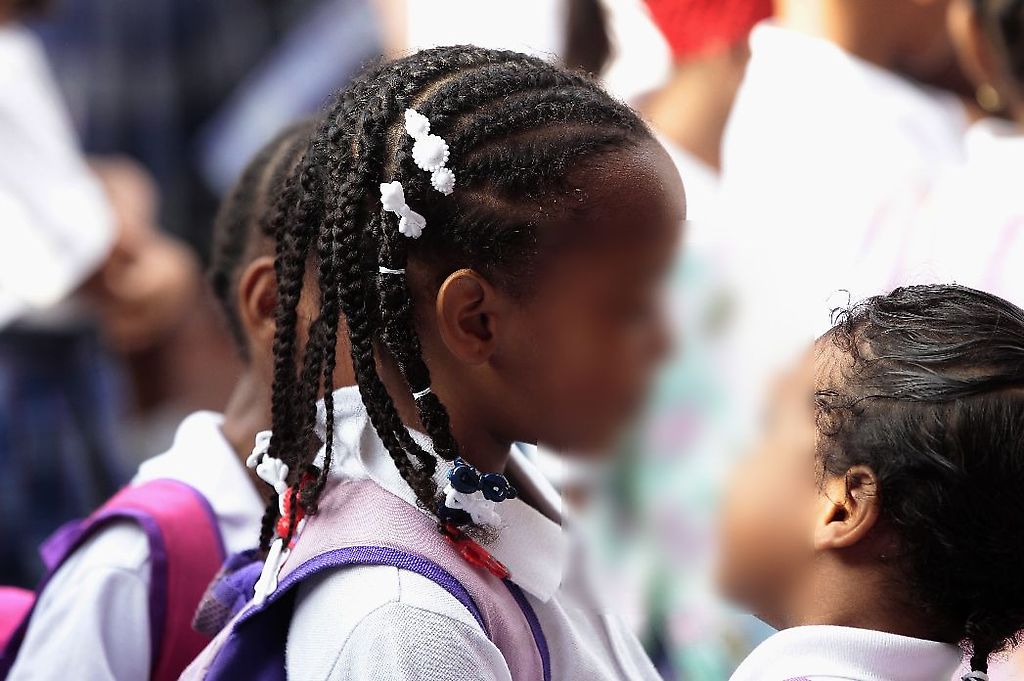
<point>973,47</point>
<point>257,298</point>
<point>849,507</point>
<point>468,310</point>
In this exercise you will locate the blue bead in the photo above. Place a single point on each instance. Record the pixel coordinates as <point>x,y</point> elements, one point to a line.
<point>464,478</point>
<point>494,486</point>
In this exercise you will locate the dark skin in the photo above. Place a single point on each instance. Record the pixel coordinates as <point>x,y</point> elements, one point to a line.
<point>800,547</point>
<point>569,364</point>
<point>692,108</point>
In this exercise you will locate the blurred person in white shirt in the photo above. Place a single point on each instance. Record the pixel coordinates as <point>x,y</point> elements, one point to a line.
<point>969,225</point>
<point>65,232</point>
<point>832,133</point>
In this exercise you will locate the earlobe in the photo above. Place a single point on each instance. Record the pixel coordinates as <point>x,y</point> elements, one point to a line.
<point>467,310</point>
<point>972,46</point>
<point>850,508</point>
<point>257,299</point>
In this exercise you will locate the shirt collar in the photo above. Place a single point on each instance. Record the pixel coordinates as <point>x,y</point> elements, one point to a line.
<point>994,140</point>
<point>848,653</point>
<point>202,458</point>
<point>534,548</point>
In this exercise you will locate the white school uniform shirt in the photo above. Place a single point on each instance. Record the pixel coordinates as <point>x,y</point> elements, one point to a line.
<point>969,227</point>
<point>823,653</point>
<point>816,145</point>
<point>381,622</point>
<point>55,224</point>
<point>92,619</point>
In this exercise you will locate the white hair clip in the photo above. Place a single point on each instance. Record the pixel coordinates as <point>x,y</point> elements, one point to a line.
<point>388,270</point>
<point>974,676</point>
<point>422,393</point>
<point>429,152</point>
<point>392,197</point>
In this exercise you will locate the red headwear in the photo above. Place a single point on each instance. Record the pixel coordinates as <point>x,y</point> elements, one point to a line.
<point>696,27</point>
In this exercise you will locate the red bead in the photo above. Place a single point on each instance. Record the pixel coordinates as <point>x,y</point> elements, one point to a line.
<point>473,553</point>
<point>284,521</point>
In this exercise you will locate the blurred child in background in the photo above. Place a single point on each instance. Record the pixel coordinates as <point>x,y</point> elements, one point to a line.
<point>65,242</point>
<point>834,134</point>
<point>969,227</point>
<point>878,522</point>
<point>120,601</point>
<point>708,41</point>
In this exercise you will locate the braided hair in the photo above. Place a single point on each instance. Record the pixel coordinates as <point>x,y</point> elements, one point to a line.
<point>241,228</point>
<point>517,127</point>
<point>1006,19</point>
<point>933,403</point>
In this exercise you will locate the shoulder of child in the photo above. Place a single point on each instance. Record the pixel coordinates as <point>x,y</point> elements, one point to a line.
<point>383,622</point>
<point>92,619</point>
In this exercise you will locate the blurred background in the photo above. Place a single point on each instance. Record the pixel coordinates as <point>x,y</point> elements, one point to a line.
<point>829,149</point>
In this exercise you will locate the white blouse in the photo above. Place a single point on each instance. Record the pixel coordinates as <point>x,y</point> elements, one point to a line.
<point>821,653</point>
<point>92,620</point>
<point>380,622</point>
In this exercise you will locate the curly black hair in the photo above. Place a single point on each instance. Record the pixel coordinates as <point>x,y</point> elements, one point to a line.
<point>933,403</point>
<point>517,128</point>
<point>243,216</point>
<point>1005,21</point>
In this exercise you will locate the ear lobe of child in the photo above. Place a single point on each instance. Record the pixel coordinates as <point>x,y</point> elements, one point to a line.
<point>849,509</point>
<point>467,310</point>
<point>257,297</point>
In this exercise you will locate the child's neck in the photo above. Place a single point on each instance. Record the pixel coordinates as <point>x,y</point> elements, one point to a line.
<point>247,413</point>
<point>858,596</point>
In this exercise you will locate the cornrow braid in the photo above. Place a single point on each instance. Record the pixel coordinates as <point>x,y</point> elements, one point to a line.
<point>241,219</point>
<point>518,128</point>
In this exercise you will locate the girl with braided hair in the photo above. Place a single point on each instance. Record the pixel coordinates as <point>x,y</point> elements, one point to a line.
<point>880,521</point>
<point>490,233</point>
<point>123,585</point>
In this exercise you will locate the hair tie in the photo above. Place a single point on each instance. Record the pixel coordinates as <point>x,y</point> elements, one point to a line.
<point>388,270</point>
<point>974,675</point>
<point>471,495</point>
<point>422,393</point>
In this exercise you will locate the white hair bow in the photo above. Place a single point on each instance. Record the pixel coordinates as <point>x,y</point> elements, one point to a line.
<point>392,197</point>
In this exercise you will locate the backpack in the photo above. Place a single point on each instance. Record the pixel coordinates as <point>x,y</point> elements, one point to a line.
<point>360,523</point>
<point>186,551</point>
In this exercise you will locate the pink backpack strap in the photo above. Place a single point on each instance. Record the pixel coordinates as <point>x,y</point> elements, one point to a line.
<point>15,604</point>
<point>359,523</point>
<point>185,552</point>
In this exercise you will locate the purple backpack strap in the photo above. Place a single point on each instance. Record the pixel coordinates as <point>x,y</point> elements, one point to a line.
<point>359,523</point>
<point>185,551</point>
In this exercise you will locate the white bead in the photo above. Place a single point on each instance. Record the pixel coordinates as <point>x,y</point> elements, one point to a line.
<point>443,180</point>
<point>259,449</point>
<point>416,124</point>
<point>392,196</point>
<point>479,509</point>
<point>412,223</point>
<point>430,153</point>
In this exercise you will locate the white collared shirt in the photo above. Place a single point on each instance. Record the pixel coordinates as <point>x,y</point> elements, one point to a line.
<point>820,653</point>
<point>380,622</point>
<point>969,227</point>
<point>92,620</point>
